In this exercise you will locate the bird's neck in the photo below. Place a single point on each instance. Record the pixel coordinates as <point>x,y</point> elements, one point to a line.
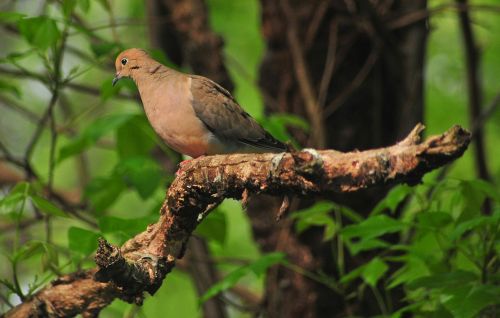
<point>154,80</point>
<point>151,71</point>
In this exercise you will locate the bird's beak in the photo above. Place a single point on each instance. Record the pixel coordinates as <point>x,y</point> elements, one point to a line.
<point>116,79</point>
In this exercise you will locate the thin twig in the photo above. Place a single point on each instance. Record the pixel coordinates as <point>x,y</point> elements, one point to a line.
<point>9,156</point>
<point>314,112</point>
<point>316,20</point>
<point>329,64</point>
<point>75,86</point>
<point>6,301</point>
<point>419,15</point>
<point>15,106</point>
<point>472,60</point>
<point>38,131</point>
<point>333,106</point>
<point>486,114</point>
<point>7,227</point>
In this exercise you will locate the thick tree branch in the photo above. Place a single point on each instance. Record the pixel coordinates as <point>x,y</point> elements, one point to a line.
<point>142,263</point>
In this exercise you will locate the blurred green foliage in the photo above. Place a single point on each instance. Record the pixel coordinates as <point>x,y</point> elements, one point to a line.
<point>447,253</point>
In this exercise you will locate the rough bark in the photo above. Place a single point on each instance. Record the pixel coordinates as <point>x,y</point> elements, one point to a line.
<point>142,263</point>
<point>181,29</point>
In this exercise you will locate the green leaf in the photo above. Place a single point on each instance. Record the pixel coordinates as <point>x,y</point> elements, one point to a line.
<point>213,227</point>
<point>414,268</point>
<point>91,134</point>
<point>82,241</point>
<point>467,302</point>
<point>316,215</point>
<point>10,17</point>
<point>226,283</point>
<point>277,125</point>
<point>349,213</point>
<point>28,250</point>
<point>258,267</point>
<point>473,223</point>
<point>41,32</point>
<point>16,56</point>
<point>68,6</point>
<point>11,88</point>
<point>135,137</point>
<point>444,280</point>
<point>373,271</point>
<point>470,198</point>
<point>373,227</point>
<point>352,275</point>
<point>434,220</point>
<point>19,193</point>
<point>142,173</point>
<point>10,202</point>
<point>485,187</point>
<point>392,199</point>
<point>48,207</point>
<point>50,257</point>
<point>415,306</point>
<point>103,192</point>
<point>365,245</point>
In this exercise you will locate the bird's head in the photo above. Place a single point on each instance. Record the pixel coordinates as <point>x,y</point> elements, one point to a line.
<point>128,62</point>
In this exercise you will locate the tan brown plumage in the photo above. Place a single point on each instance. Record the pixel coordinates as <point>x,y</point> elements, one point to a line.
<point>192,114</point>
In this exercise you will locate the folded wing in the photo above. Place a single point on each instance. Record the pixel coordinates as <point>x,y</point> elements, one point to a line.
<point>222,115</point>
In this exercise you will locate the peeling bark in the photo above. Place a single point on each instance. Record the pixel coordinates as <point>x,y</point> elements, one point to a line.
<point>142,263</point>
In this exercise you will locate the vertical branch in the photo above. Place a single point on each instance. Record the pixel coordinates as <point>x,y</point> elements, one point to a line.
<point>55,88</point>
<point>314,111</point>
<point>329,64</point>
<point>58,58</point>
<point>472,57</point>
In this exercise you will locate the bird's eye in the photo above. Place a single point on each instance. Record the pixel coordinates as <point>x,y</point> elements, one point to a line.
<point>124,61</point>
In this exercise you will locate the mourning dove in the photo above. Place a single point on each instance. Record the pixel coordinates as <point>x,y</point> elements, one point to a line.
<point>192,114</point>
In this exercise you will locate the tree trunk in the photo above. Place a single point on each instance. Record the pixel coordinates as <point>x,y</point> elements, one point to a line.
<point>360,65</point>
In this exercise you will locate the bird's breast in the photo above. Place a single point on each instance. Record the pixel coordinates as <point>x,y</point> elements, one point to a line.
<point>167,104</point>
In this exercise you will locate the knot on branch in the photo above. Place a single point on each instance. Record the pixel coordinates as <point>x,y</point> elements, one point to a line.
<point>145,273</point>
<point>308,162</point>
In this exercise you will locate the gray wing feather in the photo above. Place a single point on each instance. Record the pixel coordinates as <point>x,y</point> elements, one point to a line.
<point>222,115</point>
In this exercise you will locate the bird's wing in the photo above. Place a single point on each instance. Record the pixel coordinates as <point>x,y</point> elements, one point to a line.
<point>222,115</point>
